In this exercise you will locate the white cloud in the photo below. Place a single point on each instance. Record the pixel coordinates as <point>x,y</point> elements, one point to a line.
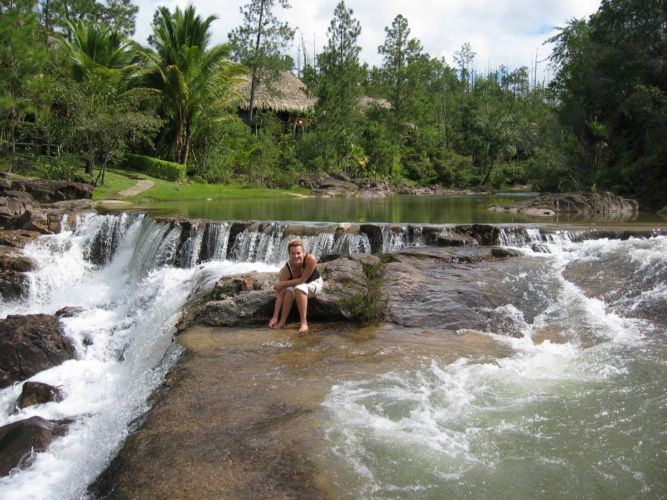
<point>507,32</point>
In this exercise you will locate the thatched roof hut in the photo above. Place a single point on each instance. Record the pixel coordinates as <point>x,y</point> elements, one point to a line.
<point>287,94</point>
<point>366,102</point>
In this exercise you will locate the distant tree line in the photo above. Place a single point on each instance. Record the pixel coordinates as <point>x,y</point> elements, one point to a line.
<point>77,92</point>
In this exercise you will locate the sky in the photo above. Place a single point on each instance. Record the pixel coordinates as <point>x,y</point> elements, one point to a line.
<point>501,32</point>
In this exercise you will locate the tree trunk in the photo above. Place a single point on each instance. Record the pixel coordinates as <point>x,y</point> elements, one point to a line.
<point>253,81</point>
<point>12,128</point>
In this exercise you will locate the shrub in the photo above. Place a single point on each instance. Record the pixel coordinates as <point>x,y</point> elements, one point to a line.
<point>155,167</point>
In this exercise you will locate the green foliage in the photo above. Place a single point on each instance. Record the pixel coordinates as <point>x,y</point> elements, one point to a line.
<point>22,62</point>
<point>194,78</point>
<point>258,44</point>
<point>367,307</point>
<point>116,15</point>
<point>105,114</point>
<point>64,167</point>
<point>339,91</point>
<point>93,96</point>
<point>155,167</point>
<point>612,87</point>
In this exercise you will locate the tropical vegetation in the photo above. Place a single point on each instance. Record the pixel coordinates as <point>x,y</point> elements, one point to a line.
<point>79,96</point>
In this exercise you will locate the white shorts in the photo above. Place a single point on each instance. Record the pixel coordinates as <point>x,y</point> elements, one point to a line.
<point>311,289</point>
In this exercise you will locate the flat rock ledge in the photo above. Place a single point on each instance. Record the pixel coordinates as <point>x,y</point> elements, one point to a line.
<point>548,204</point>
<point>357,287</point>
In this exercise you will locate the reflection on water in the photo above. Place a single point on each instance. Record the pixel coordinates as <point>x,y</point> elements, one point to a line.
<point>396,209</point>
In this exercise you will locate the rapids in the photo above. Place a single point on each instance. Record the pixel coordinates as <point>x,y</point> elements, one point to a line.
<point>571,404</point>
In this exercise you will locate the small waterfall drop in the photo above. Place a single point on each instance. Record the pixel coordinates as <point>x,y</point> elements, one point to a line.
<point>129,301</point>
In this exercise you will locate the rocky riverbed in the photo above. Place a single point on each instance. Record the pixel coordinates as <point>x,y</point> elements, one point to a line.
<point>241,413</point>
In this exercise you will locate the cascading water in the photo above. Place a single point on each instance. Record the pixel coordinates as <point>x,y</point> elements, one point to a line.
<point>123,338</point>
<point>590,398</point>
<point>578,415</point>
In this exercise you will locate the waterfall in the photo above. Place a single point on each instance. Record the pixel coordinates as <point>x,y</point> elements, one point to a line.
<point>216,241</point>
<point>393,239</point>
<point>130,276</point>
<point>534,238</point>
<point>130,299</point>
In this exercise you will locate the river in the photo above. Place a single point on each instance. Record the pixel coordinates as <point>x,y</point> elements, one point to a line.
<point>581,414</point>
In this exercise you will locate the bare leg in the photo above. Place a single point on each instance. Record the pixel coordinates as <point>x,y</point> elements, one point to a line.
<point>276,309</point>
<point>288,299</point>
<point>302,306</point>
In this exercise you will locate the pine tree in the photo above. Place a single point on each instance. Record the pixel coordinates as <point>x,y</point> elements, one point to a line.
<point>340,90</point>
<point>258,43</point>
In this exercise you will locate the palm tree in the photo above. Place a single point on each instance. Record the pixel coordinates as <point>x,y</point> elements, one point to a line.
<point>108,108</point>
<point>95,50</point>
<point>191,75</point>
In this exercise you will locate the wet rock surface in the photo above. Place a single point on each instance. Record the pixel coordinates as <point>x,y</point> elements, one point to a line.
<point>243,417</point>
<point>37,393</point>
<point>20,440</point>
<point>30,344</point>
<point>13,282</point>
<point>446,287</point>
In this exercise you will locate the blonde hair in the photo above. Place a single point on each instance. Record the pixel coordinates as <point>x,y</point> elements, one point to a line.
<point>295,243</point>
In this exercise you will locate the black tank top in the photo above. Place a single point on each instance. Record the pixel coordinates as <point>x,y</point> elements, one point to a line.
<point>315,274</point>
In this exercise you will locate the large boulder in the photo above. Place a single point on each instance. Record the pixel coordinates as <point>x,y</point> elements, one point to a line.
<point>38,204</point>
<point>51,191</point>
<point>346,284</point>
<point>30,344</point>
<point>249,299</point>
<point>37,393</point>
<point>13,285</point>
<point>19,441</point>
<point>440,287</point>
<point>235,300</point>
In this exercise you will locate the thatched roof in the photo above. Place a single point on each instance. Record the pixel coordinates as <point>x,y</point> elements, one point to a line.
<point>366,102</point>
<point>288,94</point>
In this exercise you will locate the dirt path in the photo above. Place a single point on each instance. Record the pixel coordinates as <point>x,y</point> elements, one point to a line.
<point>141,186</point>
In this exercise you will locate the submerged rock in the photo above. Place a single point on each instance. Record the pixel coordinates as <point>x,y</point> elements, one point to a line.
<point>19,441</point>
<point>69,311</point>
<point>30,344</point>
<point>548,204</point>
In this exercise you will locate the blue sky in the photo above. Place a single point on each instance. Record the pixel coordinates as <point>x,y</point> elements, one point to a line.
<point>501,32</point>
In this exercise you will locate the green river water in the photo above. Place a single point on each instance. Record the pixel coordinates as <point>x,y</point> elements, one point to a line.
<point>464,209</point>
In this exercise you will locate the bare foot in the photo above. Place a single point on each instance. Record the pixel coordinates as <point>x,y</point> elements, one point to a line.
<point>279,325</point>
<point>303,330</point>
<point>273,323</point>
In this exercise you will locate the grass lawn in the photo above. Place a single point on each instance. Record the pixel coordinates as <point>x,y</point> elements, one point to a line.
<point>118,180</point>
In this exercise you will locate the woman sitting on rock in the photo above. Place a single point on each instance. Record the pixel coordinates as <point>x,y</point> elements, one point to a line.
<point>299,280</point>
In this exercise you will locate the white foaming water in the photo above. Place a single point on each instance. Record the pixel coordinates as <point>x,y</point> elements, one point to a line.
<point>123,340</point>
<point>573,416</point>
